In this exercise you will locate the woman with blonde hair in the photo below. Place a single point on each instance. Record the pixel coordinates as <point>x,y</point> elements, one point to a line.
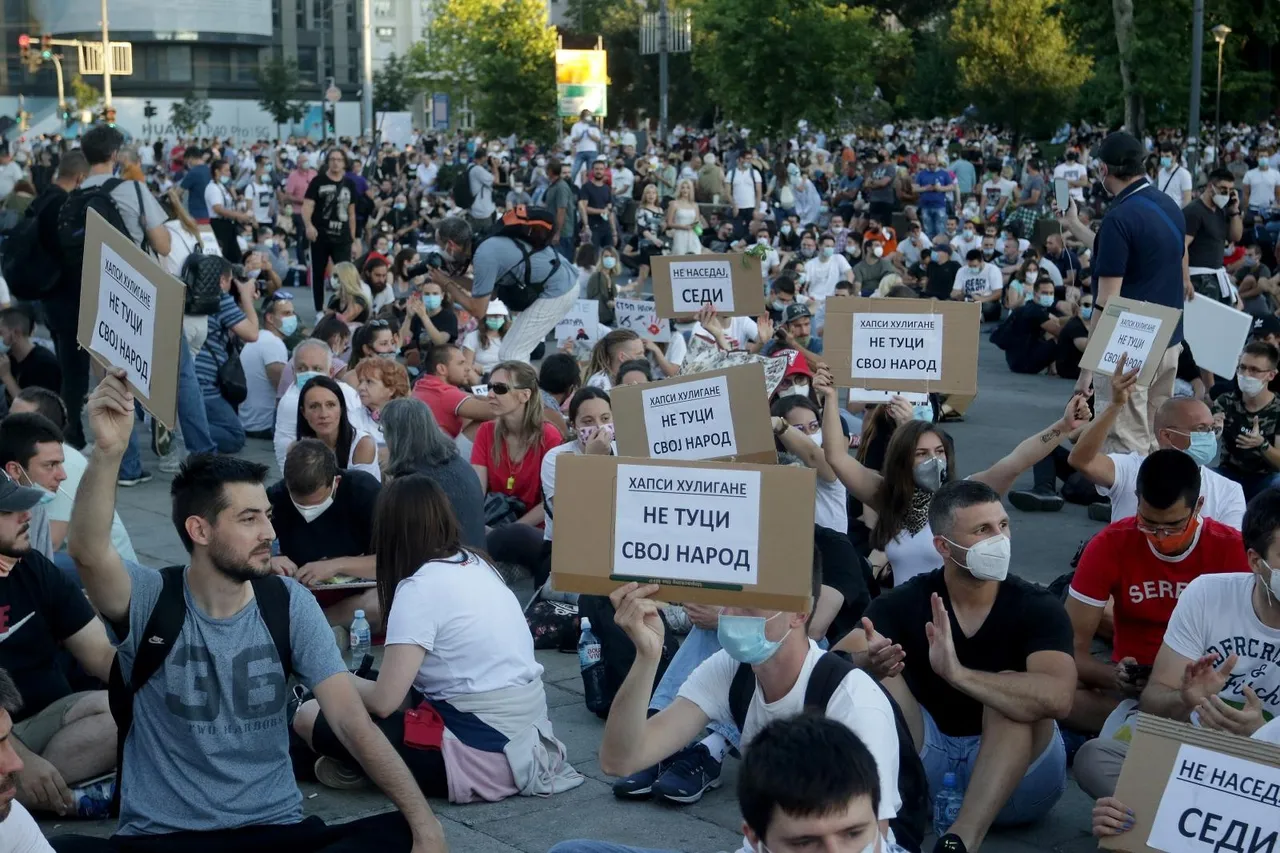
<point>349,302</point>
<point>887,283</point>
<point>507,457</point>
<point>649,228</point>
<point>683,216</point>
<point>610,353</point>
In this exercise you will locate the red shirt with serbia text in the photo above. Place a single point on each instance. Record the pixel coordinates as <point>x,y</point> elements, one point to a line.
<point>1120,563</point>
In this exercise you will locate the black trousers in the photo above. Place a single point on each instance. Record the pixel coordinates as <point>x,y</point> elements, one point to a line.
<point>225,230</point>
<point>389,833</point>
<point>322,252</point>
<point>74,364</point>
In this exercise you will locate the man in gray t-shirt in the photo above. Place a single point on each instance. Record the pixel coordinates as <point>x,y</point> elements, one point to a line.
<point>138,207</point>
<point>495,259</point>
<point>208,750</point>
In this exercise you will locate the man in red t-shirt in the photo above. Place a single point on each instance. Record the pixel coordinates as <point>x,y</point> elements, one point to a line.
<point>1143,562</point>
<point>442,388</point>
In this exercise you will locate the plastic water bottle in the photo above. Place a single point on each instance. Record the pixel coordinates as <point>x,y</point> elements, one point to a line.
<point>93,799</point>
<point>946,805</point>
<point>592,664</point>
<point>360,639</point>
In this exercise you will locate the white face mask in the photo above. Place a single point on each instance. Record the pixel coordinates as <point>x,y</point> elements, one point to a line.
<point>816,438</point>
<point>1273,582</point>
<point>1221,201</point>
<point>1250,386</point>
<point>987,560</point>
<point>796,390</point>
<point>311,513</point>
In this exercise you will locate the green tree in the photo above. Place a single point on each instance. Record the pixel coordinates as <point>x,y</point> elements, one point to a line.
<point>1017,63</point>
<point>278,83</point>
<point>188,114</point>
<point>394,85</point>
<point>84,96</point>
<point>933,85</point>
<point>831,54</point>
<point>500,54</point>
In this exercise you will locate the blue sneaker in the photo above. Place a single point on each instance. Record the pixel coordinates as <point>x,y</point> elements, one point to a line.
<point>638,786</point>
<point>690,774</point>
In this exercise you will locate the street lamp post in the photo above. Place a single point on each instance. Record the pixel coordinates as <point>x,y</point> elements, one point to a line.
<point>1220,34</point>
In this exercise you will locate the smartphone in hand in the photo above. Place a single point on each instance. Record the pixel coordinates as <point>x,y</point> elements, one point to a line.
<point>1061,194</point>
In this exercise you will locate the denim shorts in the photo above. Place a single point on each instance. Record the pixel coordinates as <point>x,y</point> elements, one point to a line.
<point>1040,788</point>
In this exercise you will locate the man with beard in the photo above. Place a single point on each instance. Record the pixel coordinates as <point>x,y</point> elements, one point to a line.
<point>19,833</point>
<point>62,736</point>
<point>207,754</point>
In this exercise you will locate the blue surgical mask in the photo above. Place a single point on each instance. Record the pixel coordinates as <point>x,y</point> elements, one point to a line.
<point>1264,162</point>
<point>225,179</point>
<point>610,262</point>
<point>1165,161</point>
<point>1086,313</point>
<point>433,301</point>
<point>494,323</point>
<point>289,325</point>
<point>400,205</point>
<point>305,377</point>
<point>922,412</point>
<point>1203,447</point>
<point>828,251</point>
<point>1045,299</point>
<point>46,496</point>
<point>743,638</point>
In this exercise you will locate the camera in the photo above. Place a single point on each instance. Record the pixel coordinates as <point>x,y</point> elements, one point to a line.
<point>429,261</point>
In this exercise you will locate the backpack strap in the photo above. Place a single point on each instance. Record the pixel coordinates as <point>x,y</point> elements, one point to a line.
<point>142,217</point>
<point>154,644</point>
<point>273,605</point>
<point>825,678</point>
<point>741,689</point>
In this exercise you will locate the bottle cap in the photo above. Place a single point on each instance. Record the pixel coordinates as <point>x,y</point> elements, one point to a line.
<point>359,614</point>
<point>948,780</point>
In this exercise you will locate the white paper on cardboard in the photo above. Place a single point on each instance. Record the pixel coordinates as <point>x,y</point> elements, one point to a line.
<point>691,420</point>
<point>897,346</point>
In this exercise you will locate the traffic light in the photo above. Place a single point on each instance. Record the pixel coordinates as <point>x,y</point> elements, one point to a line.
<point>46,46</point>
<point>149,111</point>
<point>24,49</point>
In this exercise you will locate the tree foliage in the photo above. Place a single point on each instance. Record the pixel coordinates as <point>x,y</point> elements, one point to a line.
<point>84,96</point>
<point>500,54</point>
<point>768,66</point>
<point>394,85</point>
<point>1016,62</point>
<point>278,84</point>
<point>188,114</point>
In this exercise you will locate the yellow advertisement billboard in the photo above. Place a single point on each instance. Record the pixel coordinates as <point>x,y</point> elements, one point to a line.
<point>582,82</point>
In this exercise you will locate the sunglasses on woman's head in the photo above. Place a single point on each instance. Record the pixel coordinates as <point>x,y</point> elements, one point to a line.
<point>379,324</point>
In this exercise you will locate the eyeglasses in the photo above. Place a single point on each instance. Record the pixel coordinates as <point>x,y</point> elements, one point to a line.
<point>1254,371</point>
<point>502,388</point>
<point>1162,531</point>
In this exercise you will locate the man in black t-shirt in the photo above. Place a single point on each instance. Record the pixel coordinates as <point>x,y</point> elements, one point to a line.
<point>63,737</point>
<point>980,664</point>
<point>23,363</point>
<point>940,275</point>
<point>595,206</point>
<point>1030,338</point>
<point>323,518</point>
<point>329,216</point>
<point>1213,219</point>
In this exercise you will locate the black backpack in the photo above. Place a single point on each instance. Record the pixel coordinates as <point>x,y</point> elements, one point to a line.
<point>30,268</point>
<point>462,195</point>
<point>73,216</point>
<point>162,630</point>
<point>913,785</point>
<point>202,275</point>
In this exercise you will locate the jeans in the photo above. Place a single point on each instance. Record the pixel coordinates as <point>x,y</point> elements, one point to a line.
<point>933,220</point>
<point>566,246</point>
<point>74,363</point>
<point>224,424</point>
<point>581,159</point>
<point>1250,484</point>
<point>191,417</point>
<point>701,644</point>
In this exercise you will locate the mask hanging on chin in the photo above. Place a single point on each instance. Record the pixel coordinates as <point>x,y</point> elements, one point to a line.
<point>311,513</point>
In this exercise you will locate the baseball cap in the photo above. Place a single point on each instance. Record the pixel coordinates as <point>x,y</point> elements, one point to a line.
<point>795,311</point>
<point>497,308</point>
<point>16,498</point>
<point>1121,149</point>
<point>602,159</point>
<point>1268,324</point>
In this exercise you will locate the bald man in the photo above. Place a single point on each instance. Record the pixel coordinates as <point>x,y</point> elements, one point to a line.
<point>1182,423</point>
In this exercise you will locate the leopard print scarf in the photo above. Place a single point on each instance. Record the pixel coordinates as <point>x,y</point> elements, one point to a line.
<point>918,514</point>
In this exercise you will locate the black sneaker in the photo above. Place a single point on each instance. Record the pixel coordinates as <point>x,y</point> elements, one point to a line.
<point>638,786</point>
<point>144,477</point>
<point>161,439</point>
<point>950,843</point>
<point>1036,500</point>
<point>1100,511</point>
<point>691,773</point>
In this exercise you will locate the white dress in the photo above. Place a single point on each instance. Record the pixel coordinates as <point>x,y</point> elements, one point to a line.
<point>685,242</point>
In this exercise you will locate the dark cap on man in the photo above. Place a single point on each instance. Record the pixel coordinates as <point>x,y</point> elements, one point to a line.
<point>15,498</point>
<point>1121,149</point>
<point>795,311</point>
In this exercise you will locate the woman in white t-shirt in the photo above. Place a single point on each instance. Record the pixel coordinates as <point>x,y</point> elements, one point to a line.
<point>591,418</point>
<point>797,424</point>
<point>481,345</point>
<point>460,657</point>
<point>609,354</point>
<point>919,459</point>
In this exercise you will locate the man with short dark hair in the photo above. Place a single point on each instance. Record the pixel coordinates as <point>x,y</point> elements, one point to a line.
<point>595,206</point>
<point>1212,220</point>
<point>1138,253</point>
<point>21,834</point>
<point>24,363</point>
<point>223,671</point>
<point>980,664</point>
<point>1250,420</point>
<point>194,182</point>
<point>442,386</point>
<point>979,281</point>
<point>329,215</point>
<point>323,517</point>
<point>562,200</point>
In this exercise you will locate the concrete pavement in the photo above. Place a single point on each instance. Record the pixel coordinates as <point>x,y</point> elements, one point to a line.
<point>1009,408</point>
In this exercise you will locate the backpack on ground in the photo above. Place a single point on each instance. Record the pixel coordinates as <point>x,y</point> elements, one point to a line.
<point>161,633</point>
<point>73,219</point>
<point>529,228</point>
<point>462,195</point>
<point>827,674</point>
<point>30,269</point>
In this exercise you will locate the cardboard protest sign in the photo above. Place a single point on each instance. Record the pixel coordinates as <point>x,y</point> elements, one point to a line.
<point>682,284</point>
<point>693,527</point>
<point>1197,791</point>
<point>582,323</point>
<point>1216,334</point>
<point>723,414</point>
<point>1140,329</point>
<point>131,316</point>
<point>642,318</point>
<point>920,345</point>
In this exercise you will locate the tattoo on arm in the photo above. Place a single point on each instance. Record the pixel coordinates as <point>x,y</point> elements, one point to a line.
<point>1051,435</point>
